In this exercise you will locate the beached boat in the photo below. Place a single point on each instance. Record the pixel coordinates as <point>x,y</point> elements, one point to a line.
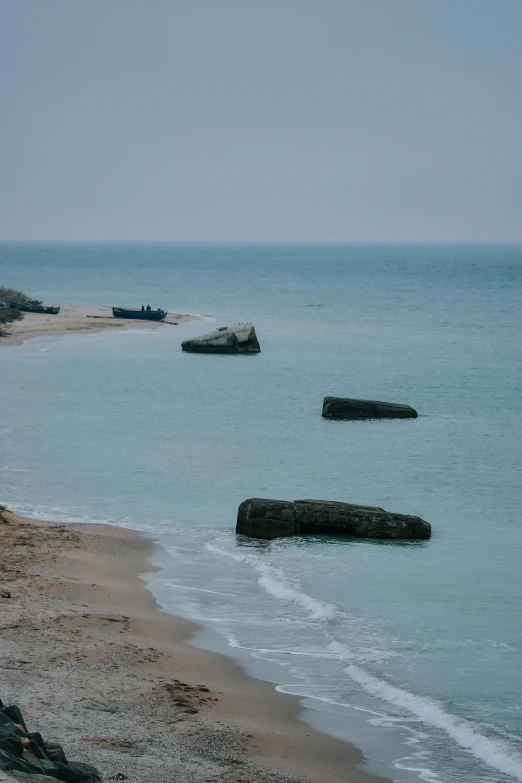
<point>30,308</point>
<point>143,315</point>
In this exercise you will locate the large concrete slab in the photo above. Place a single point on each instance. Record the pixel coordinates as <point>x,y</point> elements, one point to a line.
<point>351,408</point>
<point>241,338</point>
<point>264,518</point>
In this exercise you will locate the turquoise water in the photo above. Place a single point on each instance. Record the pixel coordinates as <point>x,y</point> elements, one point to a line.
<point>412,650</point>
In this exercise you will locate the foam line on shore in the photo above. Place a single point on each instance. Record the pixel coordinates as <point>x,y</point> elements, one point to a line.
<point>273,581</point>
<point>494,752</point>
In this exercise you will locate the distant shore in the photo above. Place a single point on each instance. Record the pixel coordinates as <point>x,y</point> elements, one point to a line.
<point>97,666</point>
<point>78,319</point>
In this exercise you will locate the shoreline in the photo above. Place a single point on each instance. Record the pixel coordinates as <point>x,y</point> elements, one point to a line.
<point>96,664</point>
<point>79,319</point>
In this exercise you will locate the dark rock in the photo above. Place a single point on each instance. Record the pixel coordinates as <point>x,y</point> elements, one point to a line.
<point>40,744</point>
<point>27,752</point>
<point>241,338</point>
<point>5,594</point>
<point>32,757</point>
<point>10,741</point>
<point>73,772</point>
<point>34,743</point>
<point>9,763</point>
<point>87,769</point>
<point>349,408</point>
<point>55,752</point>
<point>64,772</point>
<point>14,714</point>
<point>263,518</point>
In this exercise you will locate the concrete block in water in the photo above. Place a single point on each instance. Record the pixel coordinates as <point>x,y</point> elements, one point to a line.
<point>241,338</point>
<point>264,518</point>
<point>350,408</point>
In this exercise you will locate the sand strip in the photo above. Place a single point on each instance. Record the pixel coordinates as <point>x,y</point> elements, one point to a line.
<point>78,319</point>
<point>94,664</point>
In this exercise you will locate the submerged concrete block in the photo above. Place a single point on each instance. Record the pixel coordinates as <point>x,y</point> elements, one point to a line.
<point>267,519</point>
<point>350,408</point>
<point>241,338</point>
<point>264,518</point>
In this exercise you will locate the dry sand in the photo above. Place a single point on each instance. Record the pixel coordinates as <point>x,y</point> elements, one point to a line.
<point>93,663</point>
<point>77,319</point>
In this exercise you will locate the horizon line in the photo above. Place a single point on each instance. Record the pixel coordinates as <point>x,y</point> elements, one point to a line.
<point>280,241</point>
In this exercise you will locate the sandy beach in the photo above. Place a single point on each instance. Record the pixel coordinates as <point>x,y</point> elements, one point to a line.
<point>94,664</point>
<point>77,319</point>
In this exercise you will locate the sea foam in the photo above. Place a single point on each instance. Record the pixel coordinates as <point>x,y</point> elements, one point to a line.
<point>494,752</point>
<point>274,582</point>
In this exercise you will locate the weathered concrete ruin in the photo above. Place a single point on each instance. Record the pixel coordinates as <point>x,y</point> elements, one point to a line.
<point>241,338</point>
<point>350,408</point>
<point>263,518</point>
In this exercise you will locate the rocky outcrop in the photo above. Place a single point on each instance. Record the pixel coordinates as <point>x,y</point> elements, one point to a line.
<point>26,751</point>
<point>262,518</point>
<point>241,338</point>
<point>350,408</point>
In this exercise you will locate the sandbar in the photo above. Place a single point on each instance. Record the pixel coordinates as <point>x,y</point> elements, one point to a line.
<point>78,319</point>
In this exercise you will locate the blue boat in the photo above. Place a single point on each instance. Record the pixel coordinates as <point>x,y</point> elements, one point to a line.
<point>142,315</point>
<point>32,308</point>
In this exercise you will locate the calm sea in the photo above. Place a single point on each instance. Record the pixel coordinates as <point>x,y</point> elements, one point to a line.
<point>410,650</point>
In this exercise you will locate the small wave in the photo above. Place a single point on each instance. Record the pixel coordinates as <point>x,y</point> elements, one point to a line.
<point>202,316</point>
<point>423,772</point>
<point>495,643</point>
<point>125,332</point>
<point>179,586</point>
<point>315,654</point>
<point>276,584</point>
<point>494,752</point>
<point>59,514</point>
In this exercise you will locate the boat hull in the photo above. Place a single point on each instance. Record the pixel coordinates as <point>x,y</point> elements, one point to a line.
<point>29,308</point>
<point>139,315</point>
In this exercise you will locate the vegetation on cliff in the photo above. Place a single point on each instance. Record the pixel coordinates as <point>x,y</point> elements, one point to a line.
<point>7,313</point>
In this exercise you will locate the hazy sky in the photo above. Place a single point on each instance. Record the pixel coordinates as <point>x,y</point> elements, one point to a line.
<point>261,119</point>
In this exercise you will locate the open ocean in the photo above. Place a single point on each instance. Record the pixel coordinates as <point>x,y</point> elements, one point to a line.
<point>411,650</point>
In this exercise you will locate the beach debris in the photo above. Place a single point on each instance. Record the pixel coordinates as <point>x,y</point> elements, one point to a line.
<point>350,408</point>
<point>264,518</point>
<point>189,698</point>
<point>25,751</point>
<point>5,594</point>
<point>241,338</point>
